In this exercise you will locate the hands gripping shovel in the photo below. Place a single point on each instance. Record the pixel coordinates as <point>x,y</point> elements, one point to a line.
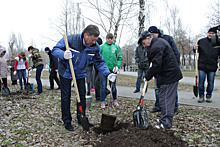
<point>140,117</point>
<point>84,121</point>
<point>195,88</point>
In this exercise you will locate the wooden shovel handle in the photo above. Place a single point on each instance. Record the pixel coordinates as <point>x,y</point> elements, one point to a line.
<point>1,80</point>
<point>72,70</point>
<point>196,57</point>
<point>144,89</point>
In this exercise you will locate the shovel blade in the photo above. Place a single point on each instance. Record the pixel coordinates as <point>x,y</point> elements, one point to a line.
<point>28,87</point>
<point>196,91</point>
<point>5,91</point>
<point>107,122</point>
<point>140,118</point>
<point>84,122</point>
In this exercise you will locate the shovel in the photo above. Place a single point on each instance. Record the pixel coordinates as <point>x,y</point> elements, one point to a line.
<point>195,88</point>
<point>108,121</point>
<point>84,120</point>
<point>140,117</point>
<point>5,90</point>
<point>28,85</point>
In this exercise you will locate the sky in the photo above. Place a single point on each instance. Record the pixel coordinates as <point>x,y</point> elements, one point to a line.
<point>32,18</point>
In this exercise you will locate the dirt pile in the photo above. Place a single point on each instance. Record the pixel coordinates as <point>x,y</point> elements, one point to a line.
<point>125,134</point>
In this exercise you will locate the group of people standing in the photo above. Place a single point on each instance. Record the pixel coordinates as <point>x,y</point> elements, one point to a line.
<point>87,52</point>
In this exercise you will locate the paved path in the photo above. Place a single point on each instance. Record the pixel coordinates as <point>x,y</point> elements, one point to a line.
<point>188,80</point>
<point>185,97</point>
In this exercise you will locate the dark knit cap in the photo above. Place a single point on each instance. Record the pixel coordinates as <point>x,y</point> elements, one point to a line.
<point>47,49</point>
<point>143,35</point>
<point>212,30</point>
<point>99,41</point>
<point>153,29</point>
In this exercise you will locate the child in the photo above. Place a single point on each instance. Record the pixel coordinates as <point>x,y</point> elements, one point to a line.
<point>14,78</point>
<point>20,68</point>
<point>111,53</point>
<point>3,67</point>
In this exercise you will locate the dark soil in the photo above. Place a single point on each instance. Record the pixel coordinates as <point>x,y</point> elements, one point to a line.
<point>125,134</point>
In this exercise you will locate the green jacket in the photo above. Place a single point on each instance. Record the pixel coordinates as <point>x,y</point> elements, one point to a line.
<point>36,58</point>
<point>109,53</point>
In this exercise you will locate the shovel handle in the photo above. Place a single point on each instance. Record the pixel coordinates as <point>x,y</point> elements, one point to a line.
<point>72,70</point>
<point>196,57</point>
<point>144,89</point>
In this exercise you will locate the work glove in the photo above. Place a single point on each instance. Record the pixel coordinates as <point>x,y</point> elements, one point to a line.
<point>30,68</point>
<point>29,75</point>
<point>14,73</point>
<point>115,69</point>
<point>67,55</point>
<point>9,66</point>
<point>112,77</point>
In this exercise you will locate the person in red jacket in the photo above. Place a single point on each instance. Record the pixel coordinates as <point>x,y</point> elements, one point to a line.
<point>20,68</point>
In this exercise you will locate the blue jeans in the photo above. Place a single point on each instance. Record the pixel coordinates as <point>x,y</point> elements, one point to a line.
<point>140,73</point>
<point>157,91</point>
<point>103,82</point>
<point>210,80</point>
<point>38,75</point>
<point>21,74</point>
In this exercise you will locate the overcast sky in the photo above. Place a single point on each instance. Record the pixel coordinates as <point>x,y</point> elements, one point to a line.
<point>31,18</point>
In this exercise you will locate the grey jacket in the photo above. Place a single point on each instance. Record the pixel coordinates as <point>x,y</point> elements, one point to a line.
<point>141,57</point>
<point>3,64</point>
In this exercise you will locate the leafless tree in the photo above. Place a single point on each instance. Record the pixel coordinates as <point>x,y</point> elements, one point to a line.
<point>12,45</point>
<point>111,13</point>
<point>69,21</point>
<point>141,16</point>
<point>214,13</point>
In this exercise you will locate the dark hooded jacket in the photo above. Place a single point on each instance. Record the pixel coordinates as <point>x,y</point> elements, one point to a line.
<point>164,64</point>
<point>141,57</point>
<point>208,55</point>
<point>53,61</point>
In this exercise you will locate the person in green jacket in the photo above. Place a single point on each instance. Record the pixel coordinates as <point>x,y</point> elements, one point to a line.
<point>112,55</point>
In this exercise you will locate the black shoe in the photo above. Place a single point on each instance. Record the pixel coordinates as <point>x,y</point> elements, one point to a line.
<point>68,126</point>
<point>21,88</point>
<point>155,110</point>
<point>58,88</point>
<point>136,91</point>
<point>88,93</point>
<point>49,88</point>
<point>37,93</point>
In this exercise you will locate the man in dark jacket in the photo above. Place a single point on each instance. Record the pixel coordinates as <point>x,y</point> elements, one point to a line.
<point>207,65</point>
<point>83,49</point>
<point>166,69</point>
<point>53,68</point>
<point>143,64</point>
<point>159,33</point>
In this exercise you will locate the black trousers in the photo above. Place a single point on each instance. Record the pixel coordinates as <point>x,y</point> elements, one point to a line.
<point>52,77</point>
<point>65,86</point>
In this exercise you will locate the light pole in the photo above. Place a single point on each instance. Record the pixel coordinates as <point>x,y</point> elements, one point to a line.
<point>127,58</point>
